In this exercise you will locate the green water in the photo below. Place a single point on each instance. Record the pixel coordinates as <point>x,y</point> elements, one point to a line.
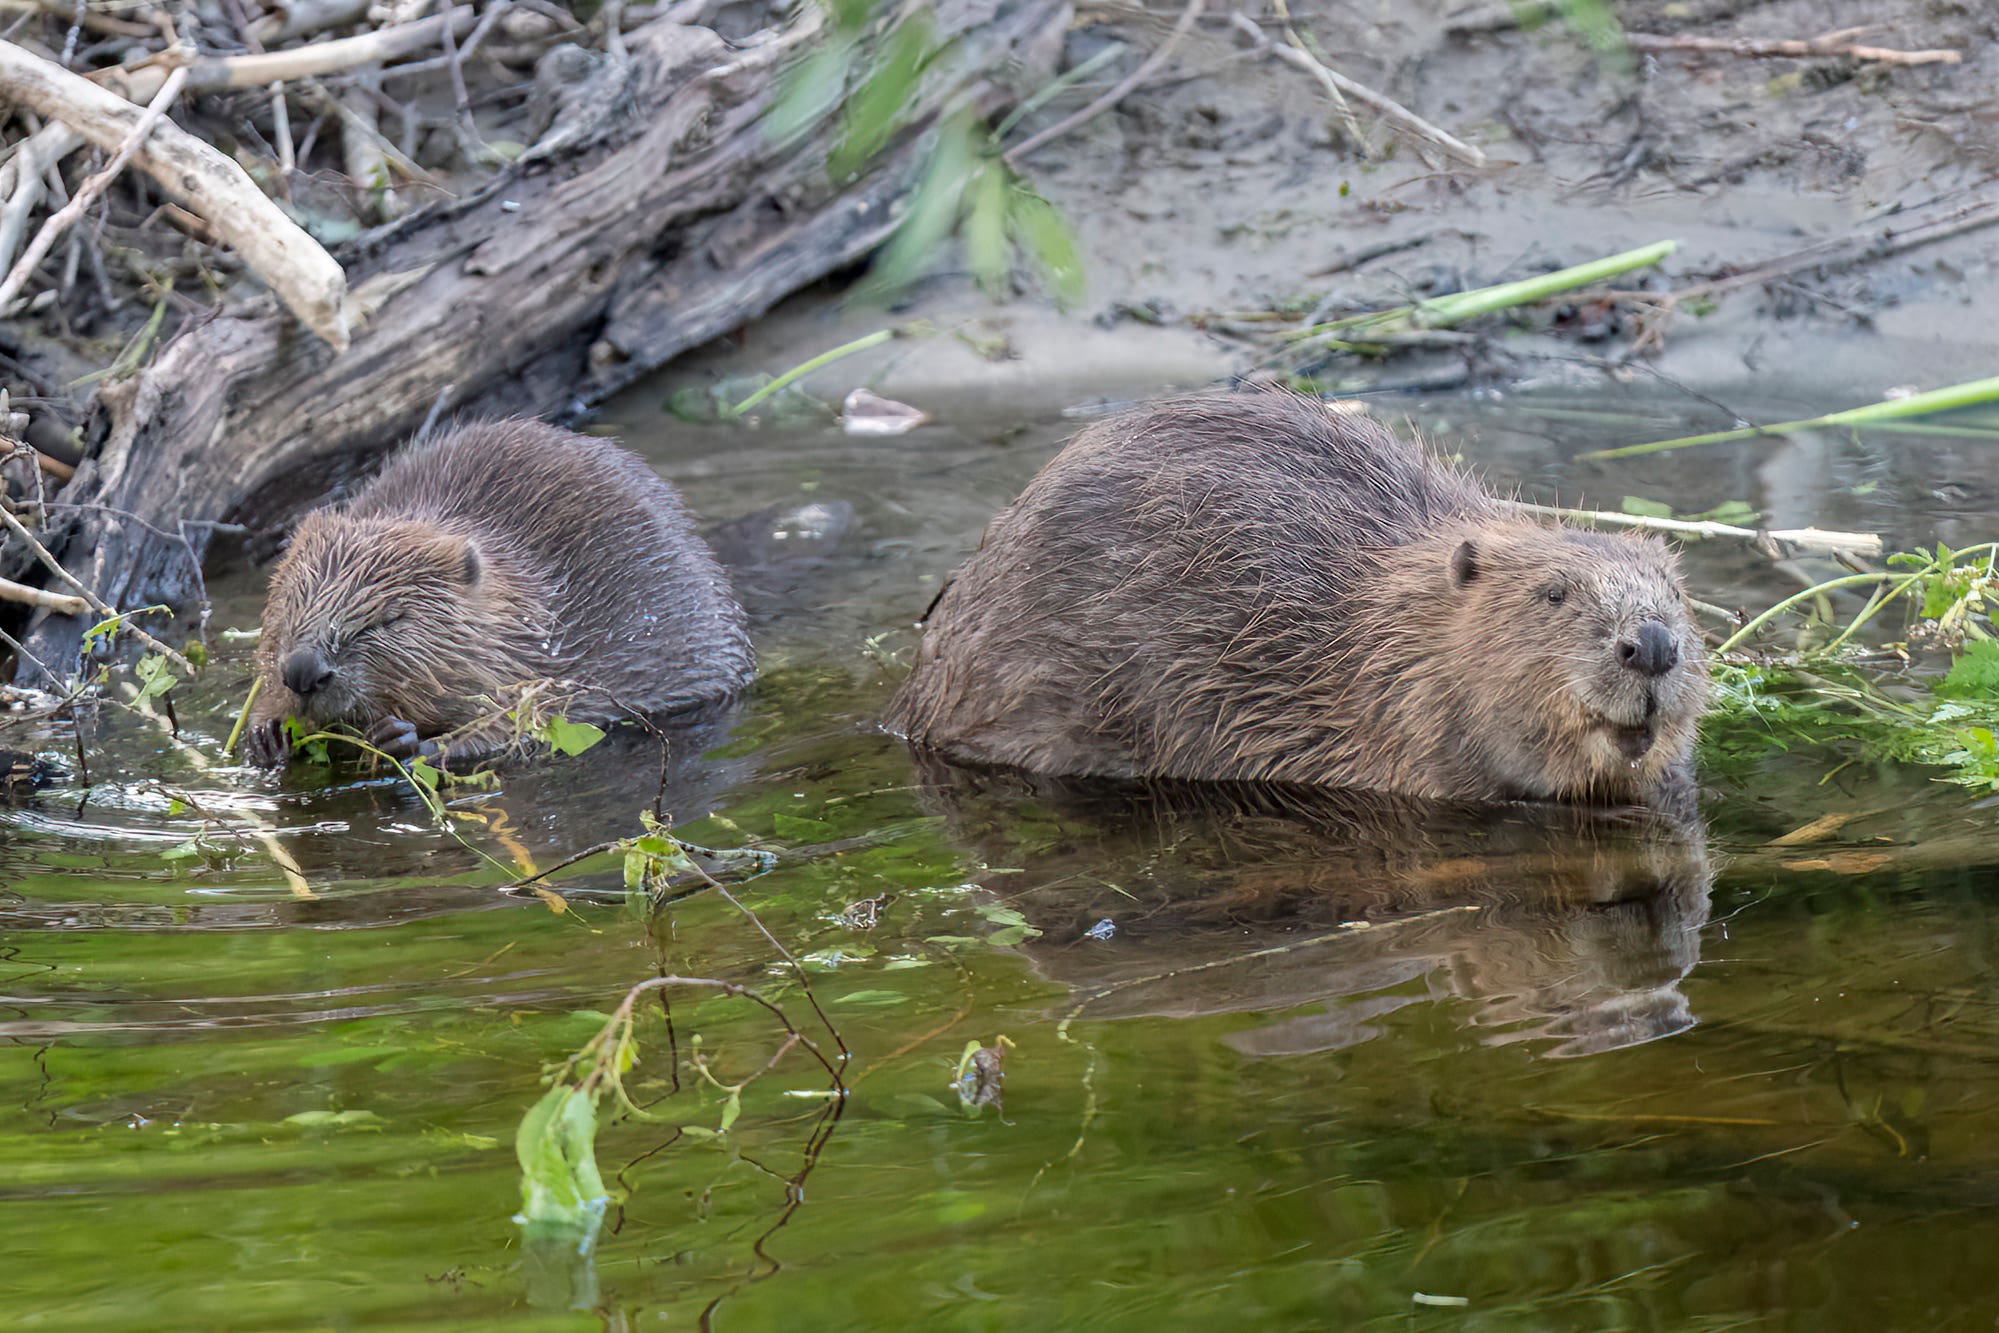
<point>1328,1070</point>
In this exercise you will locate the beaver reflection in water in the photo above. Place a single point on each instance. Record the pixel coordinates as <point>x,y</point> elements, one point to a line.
<point>1256,589</point>
<point>1319,908</point>
<point>495,557</point>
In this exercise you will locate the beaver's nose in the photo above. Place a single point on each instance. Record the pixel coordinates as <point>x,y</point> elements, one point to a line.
<point>1651,651</point>
<point>305,671</point>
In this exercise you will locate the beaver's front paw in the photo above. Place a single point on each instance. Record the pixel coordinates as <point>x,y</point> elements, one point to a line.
<point>396,738</point>
<point>265,743</point>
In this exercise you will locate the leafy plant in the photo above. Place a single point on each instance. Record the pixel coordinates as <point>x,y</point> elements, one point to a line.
<point>966,185</point>
<point>1825,693</point>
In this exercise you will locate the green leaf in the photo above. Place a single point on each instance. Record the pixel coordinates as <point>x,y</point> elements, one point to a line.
<point>1048,238</point>
<point>798,828</point>
<point>809,90</point>
<point>334,1119</point>
<point>875,110</point>
<point>182,851</point>
<point>570,737</point>
<point>1735,513</point>
<point>154,677</point>
<point>99,630</point>
<point>933,209</point>
<point>558,1159</point>
<point>1975,673</point>
<point>987,252</point>
<point>1643,508</point>
<point>880,999</point>
<point>731,1109</point>
<point>425,774</point>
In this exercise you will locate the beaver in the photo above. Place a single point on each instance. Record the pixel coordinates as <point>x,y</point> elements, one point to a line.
<point>1254,588</point>
<point>489,558</point>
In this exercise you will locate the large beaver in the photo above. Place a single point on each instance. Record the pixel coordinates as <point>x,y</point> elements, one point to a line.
<point>1254,588</point>
<point>495,556</point>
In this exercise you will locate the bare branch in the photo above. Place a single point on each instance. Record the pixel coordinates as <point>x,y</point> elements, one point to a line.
<point>303,275</point>
<point>87,193</point>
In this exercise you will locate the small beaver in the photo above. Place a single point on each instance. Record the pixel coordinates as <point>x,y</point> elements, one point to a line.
<point>494,556</point>
<point>1256,589</point>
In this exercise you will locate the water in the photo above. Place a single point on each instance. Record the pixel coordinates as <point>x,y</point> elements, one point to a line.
<point>1334,1066</point>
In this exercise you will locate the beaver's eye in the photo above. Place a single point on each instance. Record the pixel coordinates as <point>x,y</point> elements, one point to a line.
<point>1555,596</point>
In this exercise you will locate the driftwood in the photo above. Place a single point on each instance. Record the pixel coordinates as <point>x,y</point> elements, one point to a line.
<point>657,214</point>
<point>216,188</point>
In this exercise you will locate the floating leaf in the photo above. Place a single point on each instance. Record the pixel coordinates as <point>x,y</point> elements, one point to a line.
<point>796,827</point>
<point>334,1119</point>
<point>881,999</point>
<point>570,737</point>
<point>556,1149</point>
<point>1635,504</point>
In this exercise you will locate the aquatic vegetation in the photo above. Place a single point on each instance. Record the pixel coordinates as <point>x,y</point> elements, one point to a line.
<point>1930,698</point>
<point>1890,411</point>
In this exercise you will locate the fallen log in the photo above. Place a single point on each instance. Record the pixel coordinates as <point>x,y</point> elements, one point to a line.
<point>656,216</point>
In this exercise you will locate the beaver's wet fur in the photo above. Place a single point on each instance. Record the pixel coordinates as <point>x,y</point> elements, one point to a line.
<point>493,557</point>
<point>1255,588</point>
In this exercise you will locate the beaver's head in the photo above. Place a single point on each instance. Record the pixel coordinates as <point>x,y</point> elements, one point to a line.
<point>370,618</point>
<point>1586,675</point>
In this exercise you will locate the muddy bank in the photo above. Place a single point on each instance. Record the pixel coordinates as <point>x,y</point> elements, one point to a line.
<point>1227,193</point>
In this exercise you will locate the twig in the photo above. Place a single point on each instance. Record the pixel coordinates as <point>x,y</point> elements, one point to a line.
<point>1117,94</point>
<point>1804,539</point>
<point>1833,254</point>
<point>316,95</point>
<point>302,18</point>
<point>469,141</point>
<point>1339,85</point>
<point>1826,44</point>
<point>87,193</point>
<point>1348,120</point>
<point>281,130</point>
<point>61,603</point>
<point>95,602</point>
<point>298,270</point>
<point>361,145</point>
<point>334,57</point>
<point>24,191</point>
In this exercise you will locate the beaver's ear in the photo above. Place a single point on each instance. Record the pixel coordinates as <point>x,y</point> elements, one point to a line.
<point>1464,564</point>
<point>459,558</point>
